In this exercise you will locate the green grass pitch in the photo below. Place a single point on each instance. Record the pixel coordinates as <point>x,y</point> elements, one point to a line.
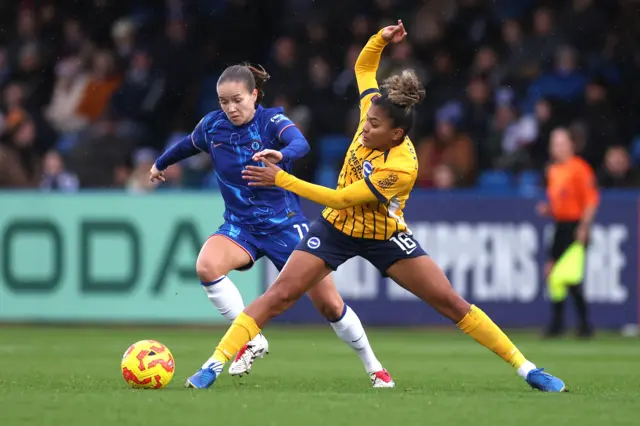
<point>71,376</point>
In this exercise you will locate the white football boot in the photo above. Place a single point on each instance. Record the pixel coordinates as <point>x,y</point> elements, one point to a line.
<point>382,379</point>
<point>257,348</point>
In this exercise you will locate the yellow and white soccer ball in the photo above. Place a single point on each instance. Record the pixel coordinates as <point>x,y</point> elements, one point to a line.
<point>147,364</point>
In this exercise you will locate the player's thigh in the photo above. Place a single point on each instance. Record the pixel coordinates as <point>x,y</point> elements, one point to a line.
<point>326,299</point>
<point>299,275</point>
<point>424,278</point>
<point>402,259</point>
<point>219,256</point>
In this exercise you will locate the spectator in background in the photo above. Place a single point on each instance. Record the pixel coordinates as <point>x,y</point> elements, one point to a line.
<point>566,83</point>
<point>477,109</point>
<point>103,81</point>
<point>546,37</point>
<point>36,78</point>
<point>143,161</point>
<point>599,119</point>
<point>100,150</point>
<point>486,64</point>
<point>123,34</point>
<point>70,86</point>
<point>616,172</point>
<point>19,162</point>
<point>284,68</point>
<point>138,99</point>
<point>54,175</point>
<point>447,147</point>
<point>444,178</point>
<point>74,39</point>
<point>584,25</point>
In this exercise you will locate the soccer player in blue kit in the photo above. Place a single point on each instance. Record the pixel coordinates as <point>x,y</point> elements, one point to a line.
<point>258,221</point>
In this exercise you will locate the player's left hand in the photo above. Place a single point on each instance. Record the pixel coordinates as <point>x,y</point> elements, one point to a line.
<point>271,155</point>
<point>261,176</point>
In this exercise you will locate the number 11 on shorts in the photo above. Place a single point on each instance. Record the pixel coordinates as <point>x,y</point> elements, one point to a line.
<point>300,228</point>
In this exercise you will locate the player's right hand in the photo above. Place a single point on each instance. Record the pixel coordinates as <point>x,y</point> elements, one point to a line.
<point>394,33</point>
<point>156,175</point>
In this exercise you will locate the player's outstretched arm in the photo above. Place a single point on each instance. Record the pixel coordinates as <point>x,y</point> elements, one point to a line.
<point>369,59</point>
<point>271,175</point>
<point>185,148</point>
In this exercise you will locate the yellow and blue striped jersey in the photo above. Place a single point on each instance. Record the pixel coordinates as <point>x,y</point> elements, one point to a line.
<point>389,175</point>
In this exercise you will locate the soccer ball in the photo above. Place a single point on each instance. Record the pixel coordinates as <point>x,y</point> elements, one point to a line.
<point>147,364</point>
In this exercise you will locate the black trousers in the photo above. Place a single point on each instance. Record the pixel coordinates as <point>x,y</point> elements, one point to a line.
<point>563,237</point>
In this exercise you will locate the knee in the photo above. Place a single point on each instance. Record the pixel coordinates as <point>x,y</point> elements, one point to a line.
<point>332,309</point>
<point>208,270</point>
<point>280,297</point>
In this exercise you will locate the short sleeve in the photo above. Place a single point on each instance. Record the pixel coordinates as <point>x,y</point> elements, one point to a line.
<point>386,184</point>
<point>199,135</point>
<point>278,124</point>
<point>589,185</point>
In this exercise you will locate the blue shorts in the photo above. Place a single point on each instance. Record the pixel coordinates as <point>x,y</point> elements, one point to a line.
<point>334,247</point>
<point>277,246</point>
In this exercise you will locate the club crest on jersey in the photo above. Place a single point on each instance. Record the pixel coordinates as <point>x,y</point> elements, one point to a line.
<point>313,243</point>
<point>256,145</point>
<point>367,168</point>
<point>277,118</point>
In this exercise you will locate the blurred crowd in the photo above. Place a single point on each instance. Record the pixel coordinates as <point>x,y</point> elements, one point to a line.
<point>92,91</point>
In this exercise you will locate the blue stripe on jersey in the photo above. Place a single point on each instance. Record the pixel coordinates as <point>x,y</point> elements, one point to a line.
<point>375,191</point>
<point>368,92</point>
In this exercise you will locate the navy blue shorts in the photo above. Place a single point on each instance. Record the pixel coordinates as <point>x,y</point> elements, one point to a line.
<point>335,248</point>
<point>276,245</point>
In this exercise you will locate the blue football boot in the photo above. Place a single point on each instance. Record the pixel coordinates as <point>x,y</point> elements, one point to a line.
<point>205,377</point>
<point>545,382</point>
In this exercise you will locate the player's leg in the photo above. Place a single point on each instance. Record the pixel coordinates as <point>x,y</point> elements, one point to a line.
<point>347,325</point>
<point>316,256</point>
<point>422,277</point>
<point>301,273</point>
<point>223,252</point>
<point>402,259</point>
<point>229,249</point>
<point>328,303</point>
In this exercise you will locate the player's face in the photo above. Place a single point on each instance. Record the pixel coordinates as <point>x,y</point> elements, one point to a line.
<point>378,132</point>
<point>237,102</point>
<point>561,145</point>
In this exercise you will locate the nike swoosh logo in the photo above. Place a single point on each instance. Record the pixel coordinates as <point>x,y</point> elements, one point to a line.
<point>215,145</point>
<point>412,250</point>
<point>358,339</point>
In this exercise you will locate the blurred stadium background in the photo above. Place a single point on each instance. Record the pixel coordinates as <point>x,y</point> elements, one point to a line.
<point>92,91</point>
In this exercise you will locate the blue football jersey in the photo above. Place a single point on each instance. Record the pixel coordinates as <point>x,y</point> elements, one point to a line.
<point>231,149</point>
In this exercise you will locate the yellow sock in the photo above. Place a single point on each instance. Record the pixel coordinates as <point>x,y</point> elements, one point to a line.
<point>479,326</point>
<point>241,332</point>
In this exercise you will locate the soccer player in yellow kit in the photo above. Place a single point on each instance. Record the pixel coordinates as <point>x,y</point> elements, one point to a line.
<point>364,218</point>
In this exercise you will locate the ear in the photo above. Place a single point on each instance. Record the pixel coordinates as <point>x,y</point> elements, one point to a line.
<point>397,135</point>
<point>254,95</point>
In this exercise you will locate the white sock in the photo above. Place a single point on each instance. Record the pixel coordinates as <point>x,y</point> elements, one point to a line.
<point>214,365</point>
<point>525,368</point>
<point>349,329</point>
<point>225,297</point>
